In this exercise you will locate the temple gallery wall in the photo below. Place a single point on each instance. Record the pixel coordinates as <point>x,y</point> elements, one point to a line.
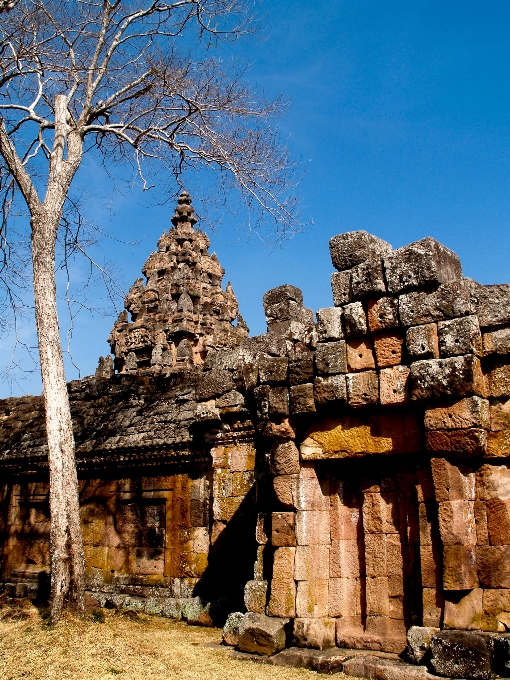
<point>343,478</point>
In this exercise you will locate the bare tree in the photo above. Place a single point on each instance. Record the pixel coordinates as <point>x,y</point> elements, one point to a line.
<point>105,77</point>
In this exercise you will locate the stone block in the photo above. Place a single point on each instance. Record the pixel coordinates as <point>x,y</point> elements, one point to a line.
<point>282,529</point>
<point>285,458</point>
<point>383,668</point>
<point>312,527</point>
<point>301,368</point>
<point>498,521</point>
<point>314,633</point>
<point>312,599</point>
<point>214,383</point>
<point>344,518</point>
<point>260,634</point>
<point>501,661</point>
<point>493,482</point>
<point>459,336</point>
<point>330,388</point>
<point>375,555</point>
<point>388,349</point>
<point>463,611</point>
<point>499,381</point>
<point>459,568</point>
<point>313,493</point>
<point>493,561</point>
<point>497,342</point>
<point>430,560</point>
<point>225,508</point>
<point>394,385</point>
<point>449,301</point>
<point>355,320</point>
<point>422,342</point>
<point>286,490</point>
<point>329,324</point>
<point>344,561</point>
<point>373,513</point>
<point>500,415</point>
<point>472,442</point>
<point>242,482</point>
<point>362,388</point>
<point>354,247</point>
<point>241,458</point>
<point>378,601</point>
<point>466,413</point>
<point>283,587</point>
<point>341,287</point>
<point>255,597</point>
<point>382,314</point>
<point>330,358</point>
<point>312,562</point>
<point>422,264</point>
<point>281,294</point>
<point>230,633</point>
<point>367,279</point>
<point>302,398</point>
<point>344,597</point>
<point>498,444</point>
<point>457,522</point>
<point>418,642</point>
<point>492,304</point>
<point>433,605</point>
<point>462,654</point>
<point>482,532</point>
<point>273,369</point>
<point>452,482</point>
<point>427,517</point>
<point>360,354</point>
<point>452,377</point>
<point>278,401</point>
<point>282,311</point>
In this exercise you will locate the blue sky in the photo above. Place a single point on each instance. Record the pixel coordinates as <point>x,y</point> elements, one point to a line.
<point>399,116</point>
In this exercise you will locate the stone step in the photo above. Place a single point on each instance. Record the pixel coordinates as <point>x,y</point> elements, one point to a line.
<point>377,668</point>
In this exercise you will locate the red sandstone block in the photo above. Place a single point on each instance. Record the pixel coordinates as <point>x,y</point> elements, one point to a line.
<point>283,529</point>
<point>373,511</point>
<point>430,560</point>
<point>314,633</point>
<point>312,527</point>
<point>498,522</point>
<point>344,559</point>
<point>452,482</point>
<point>395,585</point>
<point>312,562</point>
<point>242,458</point>
<point>313,494</point>
<point>375,554</point>
<point>282,599</point>
<point>345,520</point>
<point>384,627</point>
<point>394,385</point>
<point>312,599</point>
<point>360,355</point>
<point>465,413</point>
<point>457,522</point>
<point>459,568</point>
<point>397,608</point>
<point>394,556</point>
<point>377,596</point>
<point>433,606</point>
<point>362,388</point>
<point>471,442</point>
<point>482,533</point>
<point>344,597</point>
<point>286,490</point>
<point>493,565</point>
<point>382,314</point>
<point>388,349</point>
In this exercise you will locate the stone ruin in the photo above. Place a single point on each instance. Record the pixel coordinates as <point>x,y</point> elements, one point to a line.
<point>338,482</point>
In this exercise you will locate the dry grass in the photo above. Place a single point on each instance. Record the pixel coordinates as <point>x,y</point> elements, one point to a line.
<point>128,647</point>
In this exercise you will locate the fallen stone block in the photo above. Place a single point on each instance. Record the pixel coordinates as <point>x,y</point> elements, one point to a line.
<point>321,661</point>
<point>462,654</point>
<point>231,629</point>
<point>260,634</point>
<point>425,263</point>
<point>196,612</point>
<point>418,642</point>
<point>354,247</point>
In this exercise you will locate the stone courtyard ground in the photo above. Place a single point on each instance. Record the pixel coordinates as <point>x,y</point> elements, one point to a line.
<point>108,644</point>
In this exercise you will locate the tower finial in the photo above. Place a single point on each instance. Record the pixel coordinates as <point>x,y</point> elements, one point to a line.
<point>184,216</point>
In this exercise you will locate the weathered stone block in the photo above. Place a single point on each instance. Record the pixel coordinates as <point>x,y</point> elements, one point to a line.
<point>394,385</point>
<point>282,529</point>
<point>460,336</point>
<point>278,401</point>
<point>362,388</point>
<point>330,358</point>
<point>452,482</point>
<point>418,642</point>
<point>462,654</point>
<point>354,247</point>
<point>499,381</point>
<point>312,527</point>
<point>312,562</point>
<point>492,304</point>
<point>459,568</point>
<point>471,442</point>
<point>282,311</point>
<point>463,610</point>
<point>456,376</point>
<point>283,586</point>
<point>344,559</point>
<point>259,634</point>
<point>241,457</point>
<point>301,368</point>
<point>214,383</point>
<point>302,398</point>
<point>493,564</point>
<point>497,342</point>
<point>466,413</point>
<point>449,301</point>
<point>255,597</point>
<point>273,369</point>
<point>345,520</point>
<point>383,314</point>
<point>388,349</point>
<point>312,599</point>
<point>360,354</point>
<point>231,629</point>
<point>286,489</point>
<point>425,263</point>
<point>344,597</point>
<point>341,287</point>
<point>355,320</point>
<point>314,633</point>
<point>313,493</point>
<point>422,341</point>
<point>457,522</point>
<point>329,324</point>
<point>498,521</point>
<point>330,388</point>
<point>285,458</point>
<point>367,279</point>
<point>375,555</point>
<point>282,294</point>
<point>433,605</point>
<point>378,602</point>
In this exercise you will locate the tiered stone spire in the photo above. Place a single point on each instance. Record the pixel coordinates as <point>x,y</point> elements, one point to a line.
<point>180,312</point>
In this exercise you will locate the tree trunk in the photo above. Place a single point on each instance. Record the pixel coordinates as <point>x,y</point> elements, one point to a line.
<point>66,544</point>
